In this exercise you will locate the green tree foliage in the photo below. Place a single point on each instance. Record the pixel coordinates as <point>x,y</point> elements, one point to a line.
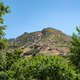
<point>2,63</point>
<point>17,53</point>
<point>3,41</point>
<point>42,68</point>
<point>7,62</point>
<point>3,10</point>
<point>75,49</point>
<point>11,58</point>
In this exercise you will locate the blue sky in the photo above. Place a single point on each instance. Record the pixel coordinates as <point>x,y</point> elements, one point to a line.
<point>35,15</point>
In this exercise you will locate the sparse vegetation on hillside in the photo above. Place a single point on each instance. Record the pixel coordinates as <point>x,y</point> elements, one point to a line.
<point>32,51</point>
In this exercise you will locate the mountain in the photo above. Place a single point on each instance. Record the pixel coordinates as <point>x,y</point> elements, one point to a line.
<point>49,41</point>
<point>48,36</point>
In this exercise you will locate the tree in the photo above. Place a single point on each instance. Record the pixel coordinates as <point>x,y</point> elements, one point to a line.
<point>3,10</point>
<point>75,49</point>
<point>2,63</point>
<point>42,67</point>
<point>11,58</point>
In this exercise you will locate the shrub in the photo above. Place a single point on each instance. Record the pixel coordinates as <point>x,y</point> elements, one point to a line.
<point>18,52</point>
<point>36,46</point>
<point>22,57</point>
<point>42,68</point>
<point>26,45</point>
<point>11,58</point>
<point>3,75</point>
<point>34,54</point>
<point>2,63</point>
<point>31,47</point>
<point>32,51</point>
<point>22,48</point>
<point>39,54</point>
<point>6,62</point>
<point>62,55</point>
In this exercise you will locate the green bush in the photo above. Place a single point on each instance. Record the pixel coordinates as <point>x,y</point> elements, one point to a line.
<point>42,68</point>
<point>22,48</point>
<point>36,46</point>
<point>31,47</point>
<point>39,54</point>
<point>7,61</point>
<point>3,75</point>
<point>62,55</point>
<point>26,45</point>
<point>2,63</point>
<point>11,58</point>
<point>34,54</point>
<point>22,57</point>
<point>32,51</point>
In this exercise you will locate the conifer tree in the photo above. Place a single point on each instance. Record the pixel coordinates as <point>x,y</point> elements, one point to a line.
<point>75,49</point>
<point>3,10</point>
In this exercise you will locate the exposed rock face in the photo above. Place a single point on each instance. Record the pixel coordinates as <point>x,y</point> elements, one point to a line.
<point>37,36</point>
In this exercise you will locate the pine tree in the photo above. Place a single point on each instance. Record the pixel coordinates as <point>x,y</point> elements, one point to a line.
<point>75,49</point>
<point>3,10</point>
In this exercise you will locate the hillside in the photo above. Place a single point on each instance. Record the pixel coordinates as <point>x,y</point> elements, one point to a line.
<point>48,36</point>
<point>50,41</point>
